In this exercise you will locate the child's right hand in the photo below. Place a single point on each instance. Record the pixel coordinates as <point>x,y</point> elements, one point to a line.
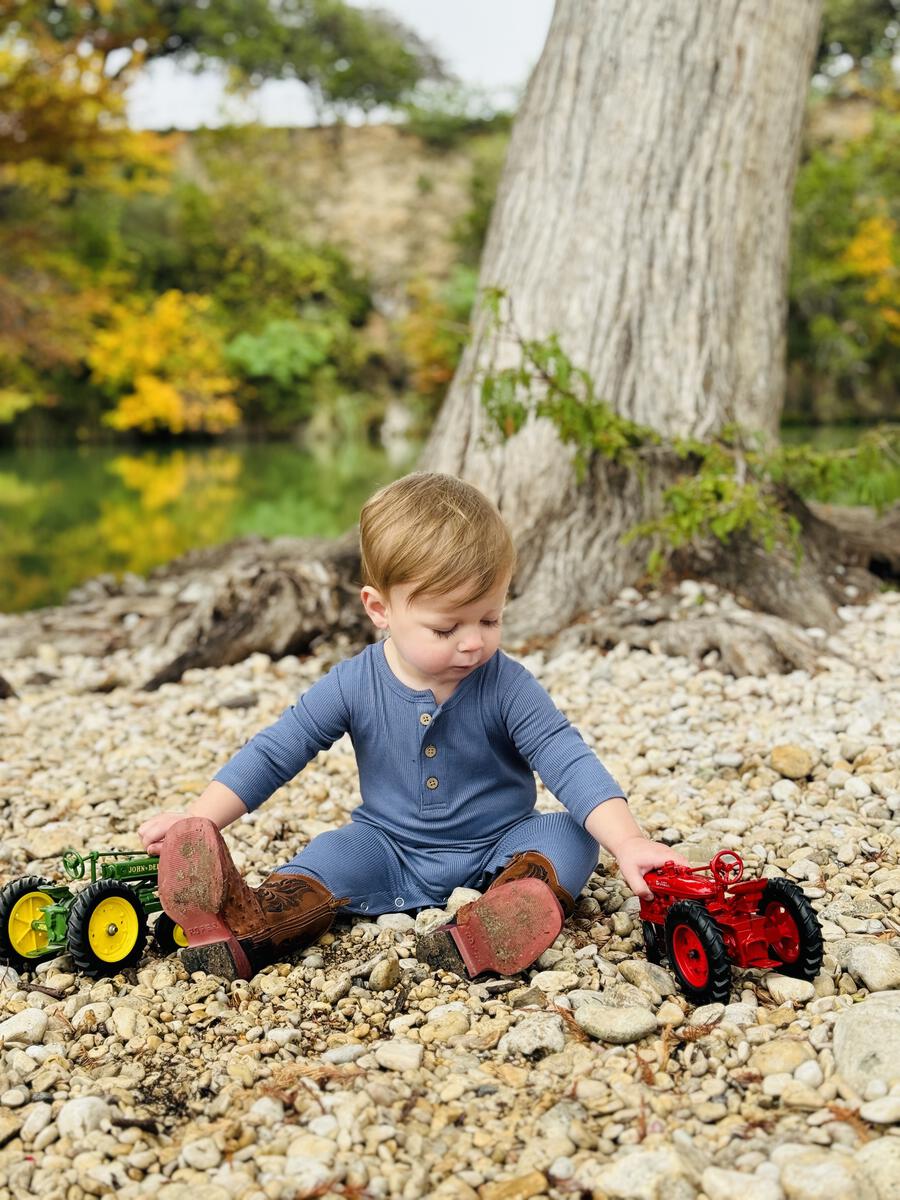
<point>153,832</point>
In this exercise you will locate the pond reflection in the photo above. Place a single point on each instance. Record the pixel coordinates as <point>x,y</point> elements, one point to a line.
<point>69,514</point>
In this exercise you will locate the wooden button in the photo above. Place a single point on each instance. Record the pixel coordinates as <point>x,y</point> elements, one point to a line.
<point>430,751</point>
<point>424,719</point>
<point>431,783</point>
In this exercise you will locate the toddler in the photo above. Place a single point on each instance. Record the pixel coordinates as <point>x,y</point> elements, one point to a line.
<point>447,732</point>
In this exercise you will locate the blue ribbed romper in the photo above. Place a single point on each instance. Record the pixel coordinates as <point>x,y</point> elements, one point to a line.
<point>448,790</point>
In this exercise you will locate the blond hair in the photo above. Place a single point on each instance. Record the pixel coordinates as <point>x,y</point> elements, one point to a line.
<point>437,532</point>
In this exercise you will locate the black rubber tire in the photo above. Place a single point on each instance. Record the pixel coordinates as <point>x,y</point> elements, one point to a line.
<point>10,894</point>
<point>654,942</point>
<point>790,896</point>
<point>717,989</point>
<point>164,935</point>
<point>77,939</point>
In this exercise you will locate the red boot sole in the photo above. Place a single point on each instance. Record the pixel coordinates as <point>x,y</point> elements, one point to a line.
<point>191,881</point>
<point>508,928</point>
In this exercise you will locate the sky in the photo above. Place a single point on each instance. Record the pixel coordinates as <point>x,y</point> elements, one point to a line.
<point>488,44</point>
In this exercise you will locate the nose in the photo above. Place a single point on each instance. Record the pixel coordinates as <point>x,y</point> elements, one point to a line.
<point>471,641</point>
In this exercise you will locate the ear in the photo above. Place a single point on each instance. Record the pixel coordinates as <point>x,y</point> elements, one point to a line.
<point>375,605</point>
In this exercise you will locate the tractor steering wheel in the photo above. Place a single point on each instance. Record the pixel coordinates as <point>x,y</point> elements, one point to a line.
<point>73,864</point>
<point>727,867</point>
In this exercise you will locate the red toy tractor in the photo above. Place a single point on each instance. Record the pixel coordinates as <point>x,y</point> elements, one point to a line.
<point>703,925</point>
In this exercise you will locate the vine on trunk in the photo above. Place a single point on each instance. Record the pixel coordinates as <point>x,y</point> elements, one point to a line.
<point>733,483</point>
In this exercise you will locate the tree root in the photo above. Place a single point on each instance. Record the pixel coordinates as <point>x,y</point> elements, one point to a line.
<point>744,643</point>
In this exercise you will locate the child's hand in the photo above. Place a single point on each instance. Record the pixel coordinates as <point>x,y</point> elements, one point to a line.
<point>153,831</point>
<point>636,855</point>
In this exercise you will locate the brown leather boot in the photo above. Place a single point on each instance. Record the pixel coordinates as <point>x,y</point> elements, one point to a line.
<point>531,864</point>
<point>233,929</point>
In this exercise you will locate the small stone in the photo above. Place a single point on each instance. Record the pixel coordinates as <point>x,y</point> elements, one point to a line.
<point>9,979</point>
<point>458,897</point>
<point>810,1073</point>
<point>816,1176</point>
<point>780,1056</point>
<point>670,1014</point>
<point>9,1127</point>
<point>721,1184</point>
<point>307,1176</point>
<point>399,1056</point>
<point>523,1187</point>
<point>876,964</point>
<point>538,1033</point>
<point>885,1111</point>
<point>740,1015</point>
<point>309,1145</point>
<point>617,1025</point>
<point>795,1094</point>
<point>784,791</point>
<point>400,922</point>
<point>430,919</point>
<point>202,1154</point>
<point>857,788</point>
<point>880,1162</point>
<point>336,989</point>
<point>786,990</point>
<point>792,762</point>
<point>385,975</point>
<point>707,1014</point>
<point>345,1054</point>
<point>26,1028</point>
<point>867,1041</point>
<point>446,1027</point>
<point>80,1116</point>
<point>38,1118</point>
<point>552,982</point>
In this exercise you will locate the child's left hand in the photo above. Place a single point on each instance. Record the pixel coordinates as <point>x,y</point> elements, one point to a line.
<point>636,855</point>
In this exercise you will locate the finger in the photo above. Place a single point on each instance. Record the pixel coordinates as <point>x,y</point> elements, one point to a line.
<point>637,883</point>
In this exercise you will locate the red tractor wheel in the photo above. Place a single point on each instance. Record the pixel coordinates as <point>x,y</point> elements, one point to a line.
<point>792,929</point>
<point>696,952</point>
<point>654,942</point>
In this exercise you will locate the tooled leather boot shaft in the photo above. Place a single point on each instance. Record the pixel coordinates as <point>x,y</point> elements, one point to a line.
<point>294,907</point>
<point>531,864</point>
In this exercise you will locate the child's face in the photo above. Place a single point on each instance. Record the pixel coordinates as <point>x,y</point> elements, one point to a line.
<point>437,640</point>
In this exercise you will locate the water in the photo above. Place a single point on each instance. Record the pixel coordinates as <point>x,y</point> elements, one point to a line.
<point>69,514</point>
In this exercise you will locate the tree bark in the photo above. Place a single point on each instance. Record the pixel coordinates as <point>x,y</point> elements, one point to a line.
<point>643,215</point>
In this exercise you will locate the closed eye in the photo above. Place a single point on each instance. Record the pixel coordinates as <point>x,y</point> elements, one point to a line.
<point>445,633</point>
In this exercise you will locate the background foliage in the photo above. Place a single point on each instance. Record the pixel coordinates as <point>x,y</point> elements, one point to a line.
<point>140,297</point>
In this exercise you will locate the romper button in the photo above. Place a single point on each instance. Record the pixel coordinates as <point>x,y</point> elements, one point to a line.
<point>424,719</point>
<point>431,783</point>
<point>430,751</point>
<point>364,907</point>
<point>399,901</point>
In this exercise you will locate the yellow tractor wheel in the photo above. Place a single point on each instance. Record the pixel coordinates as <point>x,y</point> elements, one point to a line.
<point>22,903</point>
<point>107,928</point>
<point>168,935</point>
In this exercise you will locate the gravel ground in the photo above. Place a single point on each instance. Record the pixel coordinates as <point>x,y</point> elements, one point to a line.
<point>352,1070</point>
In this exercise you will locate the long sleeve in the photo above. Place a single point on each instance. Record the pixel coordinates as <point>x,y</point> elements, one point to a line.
<point>552,746</point>
<point>278,752</point>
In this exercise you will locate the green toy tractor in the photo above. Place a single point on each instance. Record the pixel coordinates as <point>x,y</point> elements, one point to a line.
<point>103,926</point>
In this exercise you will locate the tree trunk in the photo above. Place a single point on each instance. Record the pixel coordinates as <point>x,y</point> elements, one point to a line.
<point>643,215</point>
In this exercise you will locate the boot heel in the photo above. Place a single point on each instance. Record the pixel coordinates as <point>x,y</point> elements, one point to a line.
<point>225,959</point>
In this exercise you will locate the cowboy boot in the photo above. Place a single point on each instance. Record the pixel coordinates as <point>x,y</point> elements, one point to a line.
<point>504,931</point>
<point>231,928</point>
<point>531,864</point>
